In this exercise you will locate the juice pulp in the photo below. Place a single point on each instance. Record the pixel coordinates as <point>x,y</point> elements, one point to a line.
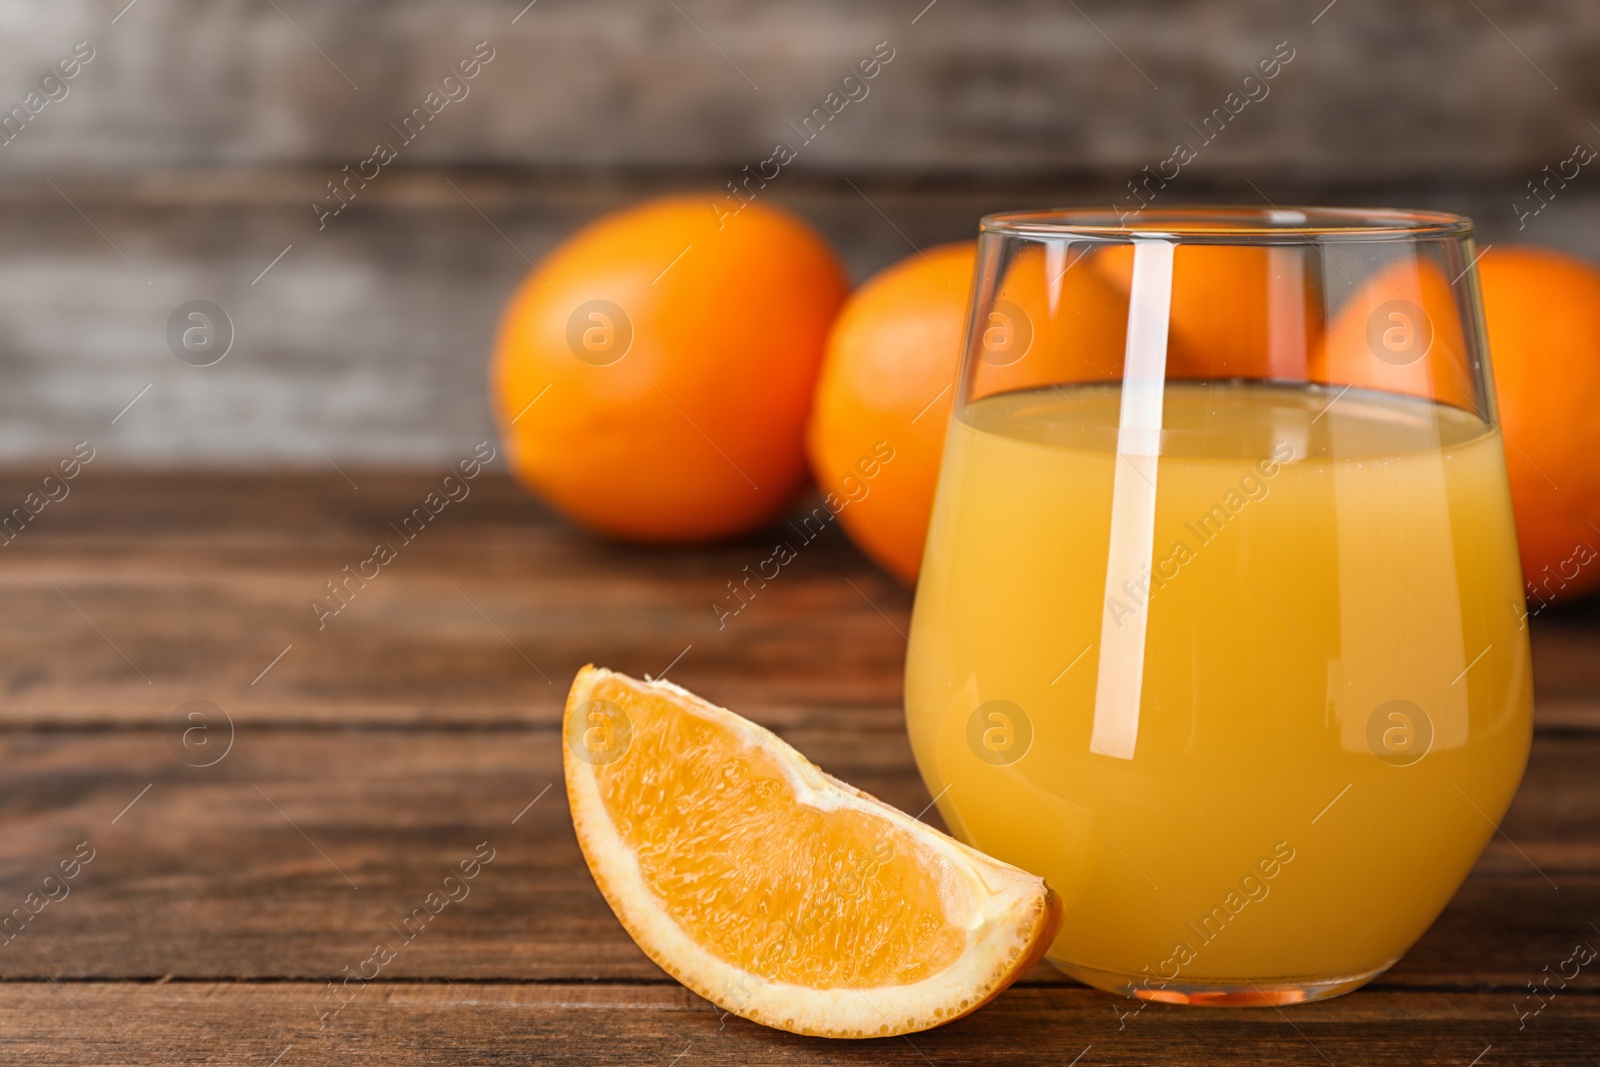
<point>1272,746</point>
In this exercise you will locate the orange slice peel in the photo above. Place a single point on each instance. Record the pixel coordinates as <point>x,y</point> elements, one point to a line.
<point>776,891</point>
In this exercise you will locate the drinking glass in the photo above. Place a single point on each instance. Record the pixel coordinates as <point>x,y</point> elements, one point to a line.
<point>1220,620</point>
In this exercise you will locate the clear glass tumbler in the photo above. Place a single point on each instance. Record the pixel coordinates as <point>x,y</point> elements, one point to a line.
<point>1219,620</point>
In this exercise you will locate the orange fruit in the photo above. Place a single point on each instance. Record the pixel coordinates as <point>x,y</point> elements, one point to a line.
<point>889,381</point>
<point>1401,332</point>
<point>877,426</point>
<point>775,891</point>
<point>1237,311</point>
<point>1542,310</point>
<point>1054,320</point>
<point>651,378</point>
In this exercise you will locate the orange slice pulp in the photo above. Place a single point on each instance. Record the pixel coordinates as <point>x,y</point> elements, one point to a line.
<point>776,891</point>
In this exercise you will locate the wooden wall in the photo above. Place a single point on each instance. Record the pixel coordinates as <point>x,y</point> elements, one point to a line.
<point>187,153</point>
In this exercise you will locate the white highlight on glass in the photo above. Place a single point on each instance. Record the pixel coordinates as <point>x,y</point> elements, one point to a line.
<point>1133,500</point>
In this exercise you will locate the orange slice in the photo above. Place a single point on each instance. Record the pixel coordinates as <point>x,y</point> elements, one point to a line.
<point>776,891</point>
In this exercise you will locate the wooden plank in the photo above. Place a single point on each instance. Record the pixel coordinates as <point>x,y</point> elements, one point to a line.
<point>403,1023</point>
<point>201,582</point>
<point>303,848</point>
<point>1429,88</point>
<point>1566,671</point>
<point>484,617</point>
<point>221,899</point>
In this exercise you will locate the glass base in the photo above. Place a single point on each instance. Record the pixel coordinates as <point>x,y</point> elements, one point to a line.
<point>1221,992</point>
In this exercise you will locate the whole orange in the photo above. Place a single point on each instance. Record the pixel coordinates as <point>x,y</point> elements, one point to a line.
<point>877,431</point>
<point>652,375</point>
<point>884,398</point>
<point>1237,311</point>
<point>1542,309</point>
<point>1400,331</point>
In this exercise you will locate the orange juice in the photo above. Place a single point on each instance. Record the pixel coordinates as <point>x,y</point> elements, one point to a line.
<point>1250,697</point>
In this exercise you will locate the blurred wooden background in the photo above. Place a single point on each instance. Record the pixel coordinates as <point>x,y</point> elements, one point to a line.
<point>185,156</point>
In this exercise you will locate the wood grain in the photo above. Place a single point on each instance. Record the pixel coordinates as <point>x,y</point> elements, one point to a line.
<point>484,618</point>
<point>202,580</point>
<point>221,900</point>
<point>404,1023</point>
<point>302,849</point>
<point>1420,89</point>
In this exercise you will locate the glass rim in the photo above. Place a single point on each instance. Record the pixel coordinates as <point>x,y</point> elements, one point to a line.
<point>1228,224</point>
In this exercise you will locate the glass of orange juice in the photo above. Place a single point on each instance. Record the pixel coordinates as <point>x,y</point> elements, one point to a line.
<point>1219,624</point>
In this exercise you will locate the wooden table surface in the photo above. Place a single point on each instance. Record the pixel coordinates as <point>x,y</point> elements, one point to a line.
<point>230,871</point>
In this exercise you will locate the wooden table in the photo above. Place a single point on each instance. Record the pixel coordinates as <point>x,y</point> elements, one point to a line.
<point>419,726</point>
